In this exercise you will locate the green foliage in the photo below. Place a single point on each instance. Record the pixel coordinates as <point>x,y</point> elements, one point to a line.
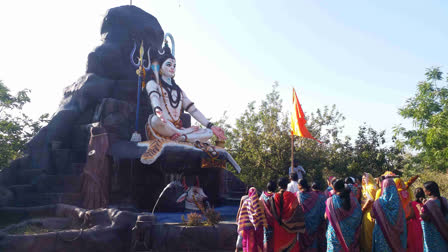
<point>16,128</point>
<point>260,141</point>
<point>261,145</point>
<point>212,216</point>
<point>440,178</point>
<point>428,109</point>
<point>193,219</point>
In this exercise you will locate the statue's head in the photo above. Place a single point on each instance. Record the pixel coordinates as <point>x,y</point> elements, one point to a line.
<point>168,68</point>
<point>166,59</point>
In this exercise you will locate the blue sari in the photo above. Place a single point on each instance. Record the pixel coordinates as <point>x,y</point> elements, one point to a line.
<point>344,226</point>
<point>313,205</point>
<point>389,233</point>
<point>433,239</point>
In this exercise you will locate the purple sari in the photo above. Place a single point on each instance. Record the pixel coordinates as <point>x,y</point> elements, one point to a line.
<point>434,211</point>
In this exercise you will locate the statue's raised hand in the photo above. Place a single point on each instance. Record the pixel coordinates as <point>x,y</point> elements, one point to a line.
<point>159,114</point>
<point>219,133</point>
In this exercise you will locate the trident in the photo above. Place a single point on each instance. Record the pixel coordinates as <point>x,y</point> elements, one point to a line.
<point>141,70</point>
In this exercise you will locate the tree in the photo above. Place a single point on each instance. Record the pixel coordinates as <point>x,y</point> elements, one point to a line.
<point>16,128</point>
<point>428,109</point>
<point>260,141</point>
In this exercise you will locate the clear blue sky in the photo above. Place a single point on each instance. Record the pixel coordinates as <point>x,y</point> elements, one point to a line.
<point>364,56</point>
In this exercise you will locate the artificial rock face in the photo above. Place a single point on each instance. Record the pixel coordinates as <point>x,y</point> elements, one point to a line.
<point>107,93</point>
<point>109,75</point>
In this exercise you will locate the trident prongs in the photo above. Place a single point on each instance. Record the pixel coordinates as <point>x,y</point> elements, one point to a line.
<point>136,64</point>
<point>149,62</point>
<point>140,61</point>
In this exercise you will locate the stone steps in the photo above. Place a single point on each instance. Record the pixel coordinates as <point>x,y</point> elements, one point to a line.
<point>59,183</point>
<point>29,176</point>
<point>22,189</point>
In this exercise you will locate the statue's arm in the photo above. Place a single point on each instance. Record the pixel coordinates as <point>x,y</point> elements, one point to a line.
<point>154,95</point>
<point>189,106</point>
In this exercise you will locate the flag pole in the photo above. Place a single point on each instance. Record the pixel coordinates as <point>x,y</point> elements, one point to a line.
<point>292,152</point>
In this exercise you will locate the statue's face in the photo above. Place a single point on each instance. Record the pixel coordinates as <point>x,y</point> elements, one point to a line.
<point>168,68</point>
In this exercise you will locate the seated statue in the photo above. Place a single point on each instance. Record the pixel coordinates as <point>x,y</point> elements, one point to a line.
<point>168,101</point>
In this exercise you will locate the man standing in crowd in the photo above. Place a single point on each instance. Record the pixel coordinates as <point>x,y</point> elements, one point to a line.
<point>298,169</point>
<point>293,186</point>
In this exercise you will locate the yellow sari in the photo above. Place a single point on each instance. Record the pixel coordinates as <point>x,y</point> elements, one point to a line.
<point>369,190</point>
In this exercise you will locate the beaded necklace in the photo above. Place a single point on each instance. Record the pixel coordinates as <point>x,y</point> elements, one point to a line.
<point>169,88</point>
<point>178,122</point>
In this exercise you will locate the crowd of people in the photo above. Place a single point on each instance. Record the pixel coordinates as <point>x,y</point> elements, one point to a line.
<point>352,214</point>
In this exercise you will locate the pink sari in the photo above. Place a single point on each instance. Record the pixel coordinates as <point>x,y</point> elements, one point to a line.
<point>251,221</point>
<point>415,232</point>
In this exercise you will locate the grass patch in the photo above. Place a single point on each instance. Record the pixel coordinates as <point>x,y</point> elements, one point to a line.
<point>32,228</point>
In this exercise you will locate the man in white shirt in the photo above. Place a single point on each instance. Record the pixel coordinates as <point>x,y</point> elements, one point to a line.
<point>298,169</point>
<point>293,186</point>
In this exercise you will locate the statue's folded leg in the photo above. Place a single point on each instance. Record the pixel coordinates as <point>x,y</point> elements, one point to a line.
<point>201,135</point>
<point>168,130</point>
<point>164,129</point>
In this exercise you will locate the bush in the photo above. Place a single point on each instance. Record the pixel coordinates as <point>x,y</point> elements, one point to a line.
<point>213,217</point>
<point>193,219</point>
<point>441,178</point>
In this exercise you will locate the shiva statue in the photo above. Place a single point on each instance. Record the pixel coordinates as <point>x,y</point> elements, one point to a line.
<point>168,101</point>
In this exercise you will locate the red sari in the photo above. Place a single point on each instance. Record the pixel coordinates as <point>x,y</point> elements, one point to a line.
<point>415,232</point>
<point>287,222</point>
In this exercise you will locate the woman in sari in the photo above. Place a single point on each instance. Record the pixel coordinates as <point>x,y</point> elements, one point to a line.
<point>344,214</point>
<point>321,239</point>
<point>368,197</point>
<point>287,217</point>
<point>405,194</point>
<point>268,231</point>
<point>251,221</point>
<point>329,191</point>
<point>415,232</point>
<point>434,215</point>
<point>313,206</point>
<point>389,233</point>
<point>349,182</point>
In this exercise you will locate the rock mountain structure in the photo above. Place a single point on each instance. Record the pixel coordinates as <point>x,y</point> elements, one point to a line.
<point>105,96</point>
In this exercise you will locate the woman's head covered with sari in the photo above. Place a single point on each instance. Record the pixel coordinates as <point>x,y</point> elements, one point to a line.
<point>368,187</point>
<point>252,212</point>
<point>390,216</point>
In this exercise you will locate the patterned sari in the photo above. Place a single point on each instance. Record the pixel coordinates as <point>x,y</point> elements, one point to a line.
<point>368,223</point>
<point>435,230</point>
<point>389,233</point>
<point>344,226</point>
<point>268,232</point>
<point>251,221</point>
<point>313,206</point>
<point>286,223</point>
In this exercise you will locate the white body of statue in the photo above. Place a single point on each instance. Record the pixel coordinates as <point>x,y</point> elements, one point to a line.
<point>193,197</point>
<point>165,122</point>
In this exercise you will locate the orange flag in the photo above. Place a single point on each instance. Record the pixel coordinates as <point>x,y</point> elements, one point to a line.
<point>298,120</point>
